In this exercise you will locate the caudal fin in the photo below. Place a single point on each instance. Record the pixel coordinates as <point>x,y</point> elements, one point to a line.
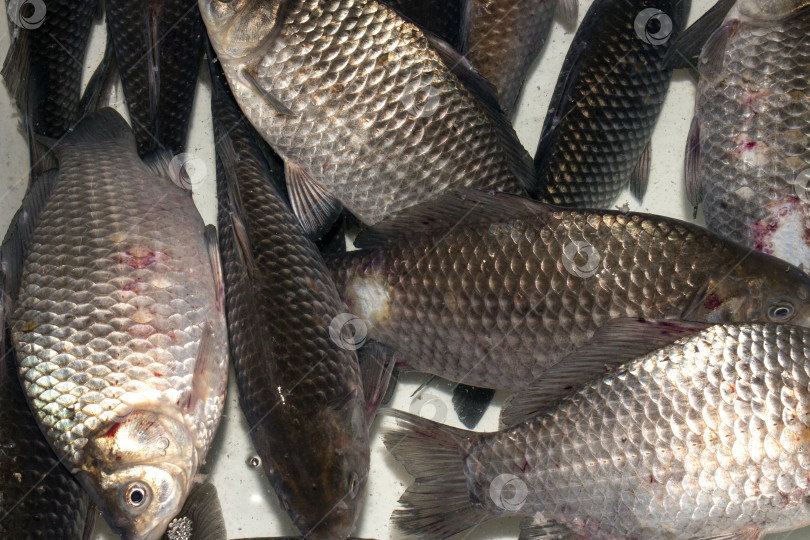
<point>437,504</point>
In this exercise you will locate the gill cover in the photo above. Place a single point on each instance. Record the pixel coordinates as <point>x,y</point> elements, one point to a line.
<point>139,473</point>
<point>238,27</point>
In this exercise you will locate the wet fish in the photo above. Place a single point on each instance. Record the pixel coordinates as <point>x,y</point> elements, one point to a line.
<point>119,328</point>
<point>44,64</point>
<point>596,135</point>
<point>491,291</point>
<point>447,19</point>
<point>200,518</point>
<point>704,438</point>
<point>364,108</point>
<point>300,384</point>
<point>506,37</point>
<point>158,45</point>
<point>39,498</point>
<point>748,150</point>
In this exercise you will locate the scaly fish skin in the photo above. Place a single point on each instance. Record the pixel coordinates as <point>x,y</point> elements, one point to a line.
<point>117,298</point>
<point>703,438</point>
<point>300,390</point>
<point>606,102</point>
<point>751,164</point>
<point>363,103</point>
<point>505,38</point>
<point>39,498</point>
<point>158,45</point>
<point>504,289</point>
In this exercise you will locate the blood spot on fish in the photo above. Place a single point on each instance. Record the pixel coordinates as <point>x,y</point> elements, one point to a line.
<point>112,431</point>
<point>713,301</point>
<point>525,466</point>
<point>138,257</point>
<point>156,374</point>
<point>131,286</point>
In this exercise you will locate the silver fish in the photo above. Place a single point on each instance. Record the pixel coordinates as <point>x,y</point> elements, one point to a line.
<point>119,328</point>
<point>363,107</point>
<point>748,150</point>
<point>705,438</point>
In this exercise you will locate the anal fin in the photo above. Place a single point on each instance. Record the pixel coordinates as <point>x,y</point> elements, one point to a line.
<point>533,528</point>
<point>692,164</point>
<point>205,369</point>
<point>376,366</point>
<point>315,208</point>
<point>567,10</point>
<point>212,243</point>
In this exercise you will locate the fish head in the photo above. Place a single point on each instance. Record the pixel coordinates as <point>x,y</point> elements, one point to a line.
<point>761,288</point>
<point>139,473</point>
<point>770,10</point>
<point>237,27</point>
<point>321,481</point>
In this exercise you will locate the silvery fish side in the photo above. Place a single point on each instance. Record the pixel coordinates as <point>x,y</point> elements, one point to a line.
<point>363,107</point>
<point>748,151</point>
<point>299,384</point>
<point>39,498</point>
<point>491,290</point>
<point>119,328</point>
<point>596,136</point>
<point>704,438</point>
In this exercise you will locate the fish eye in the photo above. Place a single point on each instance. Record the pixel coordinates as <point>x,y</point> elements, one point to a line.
<point>136,495</point>
<point>354,484</point>
<point>780,311</point>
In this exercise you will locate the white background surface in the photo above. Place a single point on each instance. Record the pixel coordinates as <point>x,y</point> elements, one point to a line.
<point>248,502</point>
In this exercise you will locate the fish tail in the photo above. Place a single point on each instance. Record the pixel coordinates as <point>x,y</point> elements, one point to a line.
<point>438,503</point>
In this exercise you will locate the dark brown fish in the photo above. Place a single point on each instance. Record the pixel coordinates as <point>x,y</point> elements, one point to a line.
<point>158,45</point>
<point>596,136</point>
<point>299,382</point>
<point>493,290</point>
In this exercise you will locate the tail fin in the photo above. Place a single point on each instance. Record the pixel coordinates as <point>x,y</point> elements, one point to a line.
<point>438,504</point>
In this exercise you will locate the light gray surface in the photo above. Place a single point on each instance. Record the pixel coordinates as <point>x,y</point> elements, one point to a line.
<point>249,505</point>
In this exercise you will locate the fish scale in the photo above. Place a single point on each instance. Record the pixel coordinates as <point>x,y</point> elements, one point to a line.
<point>179,40</point>
<point>705,437</point>
<point>473,294</point>
<point>605,104</point>
<point>752,118</point>
<point>369,99</point>
<point>300,390</point>
<point>505,39</point>
<point>690,441</point>
<point>39,498</point>
<point>117,293</point>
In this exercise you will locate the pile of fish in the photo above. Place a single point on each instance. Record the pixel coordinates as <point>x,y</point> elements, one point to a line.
<point>377,214</point>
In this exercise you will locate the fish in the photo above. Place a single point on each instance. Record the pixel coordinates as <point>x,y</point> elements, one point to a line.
<point>200,518</point>
<point>44,65</point>
<point>303,387</point>
<point>119,329</point>
<point>158,46</point>
<point>596,135</point>
<point>507,36</point>
<point>367,111</point>
<point>39,498</point>
<point>705,437</point>
<point>447,19</point>
<point>747,159</point>
<point>491,290</point>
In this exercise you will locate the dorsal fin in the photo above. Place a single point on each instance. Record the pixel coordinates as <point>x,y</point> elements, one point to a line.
<point>456,208</point>
<point>617,342</point>
<point>684,53</point>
